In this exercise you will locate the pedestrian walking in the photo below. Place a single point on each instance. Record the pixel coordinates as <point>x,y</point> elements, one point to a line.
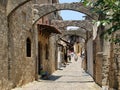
<point>76,57</point>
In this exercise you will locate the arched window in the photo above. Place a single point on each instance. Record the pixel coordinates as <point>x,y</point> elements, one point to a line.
<point>28,47</point>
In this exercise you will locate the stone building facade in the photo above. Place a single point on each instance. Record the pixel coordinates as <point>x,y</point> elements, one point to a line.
<point>114,64</point>
<point>97,61</point>
<point>15,32</point>
<point>3,47</point>
<point>21,42</point>
<point>47,37</point>
<point>46,52</point>
<point>106,61</point>
<point>78,48</point>
<point>18,46</point>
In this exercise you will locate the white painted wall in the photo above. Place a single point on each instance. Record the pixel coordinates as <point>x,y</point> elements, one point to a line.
<point>90,56</point>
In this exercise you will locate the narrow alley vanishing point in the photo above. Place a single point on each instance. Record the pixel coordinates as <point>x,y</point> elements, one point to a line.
<point>35,43</point>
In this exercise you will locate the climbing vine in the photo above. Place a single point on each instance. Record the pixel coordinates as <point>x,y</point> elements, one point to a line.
<point>110,9</point>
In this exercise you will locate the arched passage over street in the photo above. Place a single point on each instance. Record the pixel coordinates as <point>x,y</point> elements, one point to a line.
<point>84,24</point>
<point>12,5</point>
<point>44,9</point>
<point>77,32</point>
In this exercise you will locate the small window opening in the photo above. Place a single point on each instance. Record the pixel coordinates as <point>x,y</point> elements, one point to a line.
<point>28,47</point>
<point>47,52</point>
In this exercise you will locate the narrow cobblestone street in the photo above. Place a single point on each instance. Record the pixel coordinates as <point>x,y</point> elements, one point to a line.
<point>72,77</point>
<point>59,44</point>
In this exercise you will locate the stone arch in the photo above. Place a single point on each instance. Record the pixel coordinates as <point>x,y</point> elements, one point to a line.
<point>44,9</point>
<point>77,32</point>
<point>12,5</point>
<point>83,24</point>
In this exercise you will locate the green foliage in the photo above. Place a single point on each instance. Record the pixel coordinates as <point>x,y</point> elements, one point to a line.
<point>111,11</point>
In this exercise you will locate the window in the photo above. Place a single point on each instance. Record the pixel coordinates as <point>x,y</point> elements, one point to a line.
<point>28,47</point>
<point>47,52</point>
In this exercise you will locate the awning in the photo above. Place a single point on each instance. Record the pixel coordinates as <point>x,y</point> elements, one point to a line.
<point>69,44</point>
<point>60,44</point>
<point>48,28</point>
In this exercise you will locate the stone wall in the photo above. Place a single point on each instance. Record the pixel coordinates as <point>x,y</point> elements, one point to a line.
<point>105,64</point>
<point>97,61</point>
<point>50,63</point>
<point>44,62</point>
<point>98,70</point>
<point>22,67</point>
<point>114,70</point>
<point>47,64</point>
<point>53,53</point>
<point>4,84</point>
<point>113,80</point>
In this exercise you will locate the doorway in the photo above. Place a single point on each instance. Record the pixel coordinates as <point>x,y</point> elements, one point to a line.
<point>39,57</point>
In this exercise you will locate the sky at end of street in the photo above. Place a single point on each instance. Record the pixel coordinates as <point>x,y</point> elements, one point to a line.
<point>69,14</point>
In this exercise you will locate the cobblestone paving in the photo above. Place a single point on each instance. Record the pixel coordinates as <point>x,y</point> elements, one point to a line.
<point>72,77</point>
